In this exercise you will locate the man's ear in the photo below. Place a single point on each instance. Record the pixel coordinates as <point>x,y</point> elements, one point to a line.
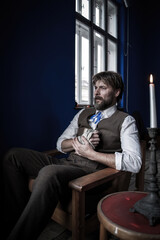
<point>117,92</point>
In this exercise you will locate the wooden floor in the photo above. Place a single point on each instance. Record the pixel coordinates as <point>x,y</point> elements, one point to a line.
<point>53,231</point>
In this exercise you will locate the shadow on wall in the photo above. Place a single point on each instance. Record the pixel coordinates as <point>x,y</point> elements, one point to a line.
<point>38,133</point>
<point>140,125</point>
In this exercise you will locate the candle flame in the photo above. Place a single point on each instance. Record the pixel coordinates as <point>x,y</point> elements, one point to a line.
<point>151,78</point>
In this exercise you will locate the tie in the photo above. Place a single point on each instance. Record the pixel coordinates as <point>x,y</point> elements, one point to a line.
<point>96,118</point>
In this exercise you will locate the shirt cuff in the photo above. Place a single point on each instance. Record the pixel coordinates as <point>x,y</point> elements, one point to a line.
<point>118,160</point>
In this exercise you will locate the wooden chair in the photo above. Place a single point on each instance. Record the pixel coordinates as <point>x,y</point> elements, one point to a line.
<point>86,190</point>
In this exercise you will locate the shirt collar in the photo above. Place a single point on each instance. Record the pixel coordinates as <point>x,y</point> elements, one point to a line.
<point>109,111</point>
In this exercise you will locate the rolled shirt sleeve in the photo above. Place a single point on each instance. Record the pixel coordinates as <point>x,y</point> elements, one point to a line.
<point>70,132</point>
<point>130,158</point>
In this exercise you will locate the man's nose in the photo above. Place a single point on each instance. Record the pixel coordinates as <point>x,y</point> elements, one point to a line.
<point>97,92</point>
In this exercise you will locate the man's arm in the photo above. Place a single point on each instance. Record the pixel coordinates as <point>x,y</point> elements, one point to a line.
<point>87,151</point>
<point>64,142</point>
<point>130,158</point>
<point>67,146</point>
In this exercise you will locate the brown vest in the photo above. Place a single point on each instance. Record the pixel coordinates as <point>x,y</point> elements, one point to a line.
<point>108,128</point>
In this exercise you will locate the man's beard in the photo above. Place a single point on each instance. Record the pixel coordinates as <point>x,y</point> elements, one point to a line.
<point>104,104</point>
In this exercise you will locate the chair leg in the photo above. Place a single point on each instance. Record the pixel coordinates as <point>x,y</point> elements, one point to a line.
<point>103,233</point>
<point>78,215</point>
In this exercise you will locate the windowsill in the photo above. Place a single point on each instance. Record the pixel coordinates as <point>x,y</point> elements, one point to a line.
<point>79,106</point>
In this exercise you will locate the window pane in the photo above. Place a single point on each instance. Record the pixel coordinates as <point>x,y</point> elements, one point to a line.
<point>82,64</point>
<point>83,7</point>
<point>112,19</point>
<point>99,13</point>
<point>112,56</point>
<point>98,52</point>
<point>76,66</point>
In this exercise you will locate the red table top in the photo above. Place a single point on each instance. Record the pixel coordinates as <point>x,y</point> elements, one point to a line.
<point>116,207</point>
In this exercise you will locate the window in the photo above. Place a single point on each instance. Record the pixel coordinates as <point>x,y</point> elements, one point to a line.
<point>96,44</point>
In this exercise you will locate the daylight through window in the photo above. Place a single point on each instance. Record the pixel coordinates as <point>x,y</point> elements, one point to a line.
<point>96,43</point>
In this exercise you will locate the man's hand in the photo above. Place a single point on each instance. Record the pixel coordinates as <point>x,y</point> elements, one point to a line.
<point>95,138</point>
<point>84,149</point>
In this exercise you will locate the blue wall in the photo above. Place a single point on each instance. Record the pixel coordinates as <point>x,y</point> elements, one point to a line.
<point>144,52</point>
<point>37,68</point>
<point>36,72</point>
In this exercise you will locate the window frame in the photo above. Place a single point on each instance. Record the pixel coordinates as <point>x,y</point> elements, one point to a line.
<point>107,36</point>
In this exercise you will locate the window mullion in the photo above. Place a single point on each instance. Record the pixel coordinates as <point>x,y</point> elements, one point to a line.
<point>91,53</point>
<point>106,39</point>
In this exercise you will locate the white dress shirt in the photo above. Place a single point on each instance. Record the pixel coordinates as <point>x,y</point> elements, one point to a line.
<point>130,157</point>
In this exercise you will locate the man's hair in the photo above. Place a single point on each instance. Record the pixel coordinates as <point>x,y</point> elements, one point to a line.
<point>111,78</point>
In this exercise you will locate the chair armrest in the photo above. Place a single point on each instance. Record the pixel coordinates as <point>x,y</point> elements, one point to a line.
<point>53,152</point>
<point>95,179</point>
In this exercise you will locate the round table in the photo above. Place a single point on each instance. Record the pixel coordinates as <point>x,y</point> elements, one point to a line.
<point>115,217</point>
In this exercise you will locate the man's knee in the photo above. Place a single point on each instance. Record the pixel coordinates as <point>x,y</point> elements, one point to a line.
<point>12,156</point>
<point>48,172</point>
<point>50,176</point>
<point>43,181</point>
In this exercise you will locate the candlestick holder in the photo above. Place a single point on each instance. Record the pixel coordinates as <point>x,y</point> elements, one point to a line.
<point>149,206</point>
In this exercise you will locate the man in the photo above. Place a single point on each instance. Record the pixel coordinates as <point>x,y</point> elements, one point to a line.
<point>97,137</point>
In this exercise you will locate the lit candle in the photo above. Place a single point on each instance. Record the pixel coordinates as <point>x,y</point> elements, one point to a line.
<point>153,113</point>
